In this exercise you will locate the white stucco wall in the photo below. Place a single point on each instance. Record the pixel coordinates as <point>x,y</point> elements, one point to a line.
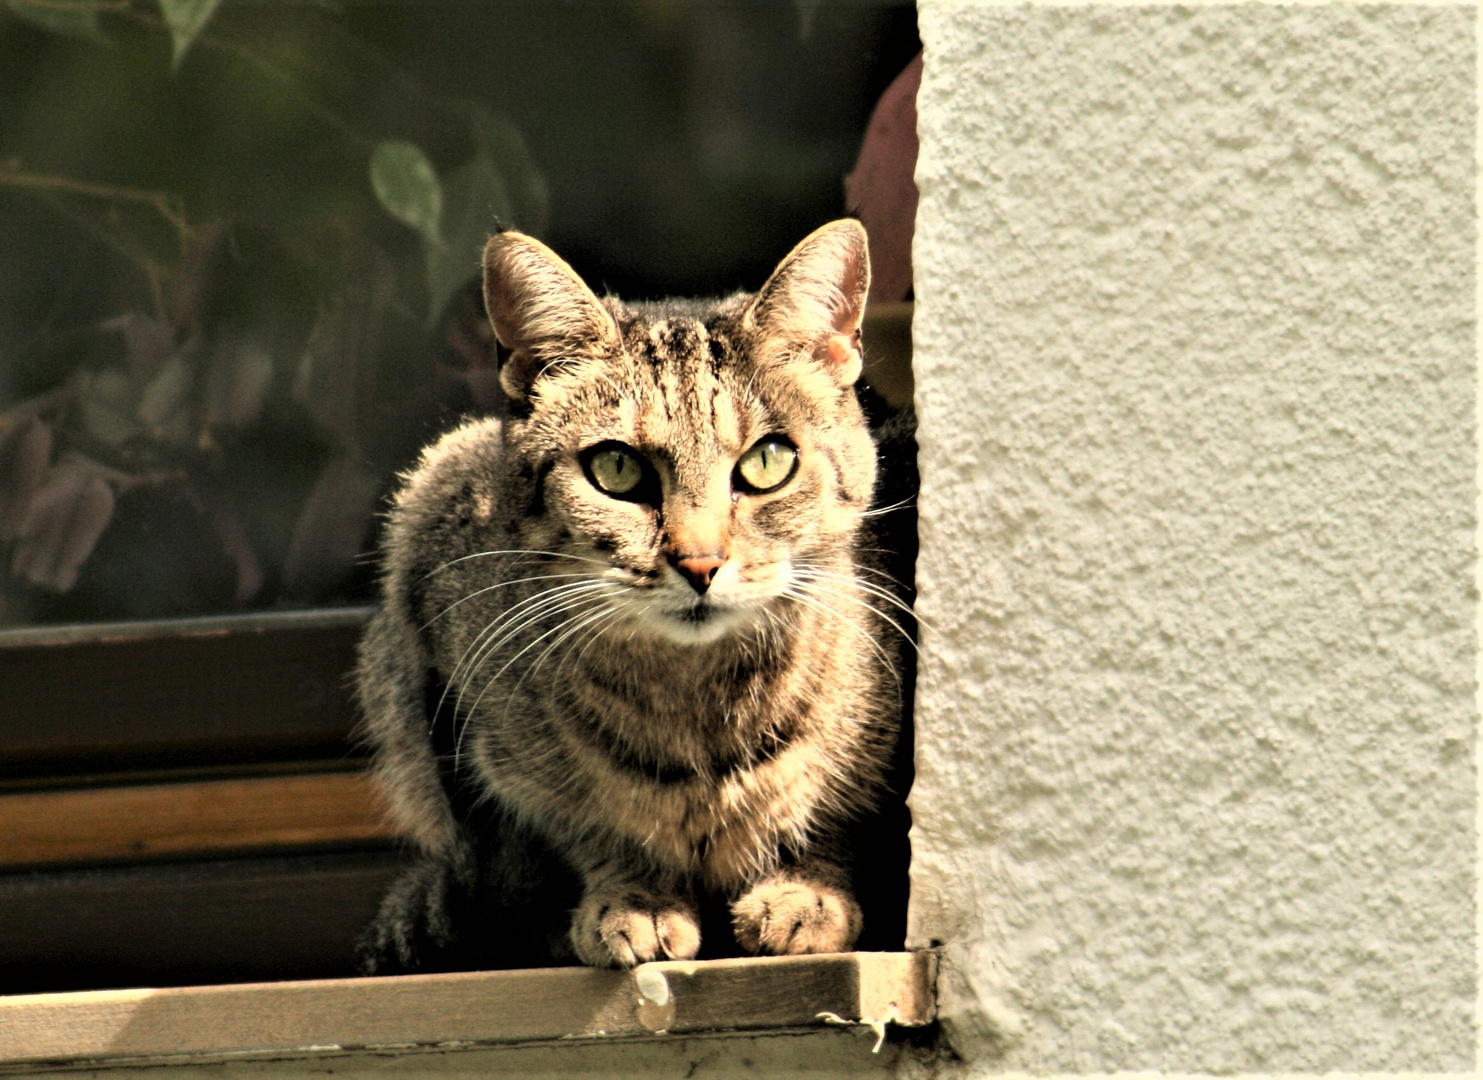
<point>1195,367</point>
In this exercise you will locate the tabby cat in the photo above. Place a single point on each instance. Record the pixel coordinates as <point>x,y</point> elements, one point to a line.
<point>636,670</point>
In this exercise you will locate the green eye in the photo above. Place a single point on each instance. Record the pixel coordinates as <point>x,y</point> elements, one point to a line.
<point>768,465</point>
<point>615,469</point>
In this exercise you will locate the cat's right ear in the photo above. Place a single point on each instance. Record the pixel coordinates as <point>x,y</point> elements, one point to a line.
<point>815,300</point>
<point>541,311</point>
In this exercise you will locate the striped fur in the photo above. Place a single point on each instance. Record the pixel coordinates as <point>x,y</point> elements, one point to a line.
<point>540,668</point>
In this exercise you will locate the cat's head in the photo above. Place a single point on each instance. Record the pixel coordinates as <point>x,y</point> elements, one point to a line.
<point>707,463</point>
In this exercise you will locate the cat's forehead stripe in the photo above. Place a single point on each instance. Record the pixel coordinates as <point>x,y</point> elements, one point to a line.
<point>678,336</point>
<point>726,422</point>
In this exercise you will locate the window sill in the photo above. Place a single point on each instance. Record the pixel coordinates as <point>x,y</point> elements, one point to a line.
<point>463,1011</point>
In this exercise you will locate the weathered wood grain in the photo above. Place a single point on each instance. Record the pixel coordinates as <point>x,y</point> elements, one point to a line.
<point>184,691</point>
<point>153,820</point>
<point>468,1009</point>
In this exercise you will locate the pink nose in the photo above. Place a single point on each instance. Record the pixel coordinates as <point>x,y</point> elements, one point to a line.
<point>699,570</point>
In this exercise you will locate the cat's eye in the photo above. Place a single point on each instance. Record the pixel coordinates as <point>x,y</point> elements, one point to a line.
<point>616,469</point>
<point>767,466</point>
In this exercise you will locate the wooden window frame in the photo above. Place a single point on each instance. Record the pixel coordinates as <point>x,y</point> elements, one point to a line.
<point>208,767</point>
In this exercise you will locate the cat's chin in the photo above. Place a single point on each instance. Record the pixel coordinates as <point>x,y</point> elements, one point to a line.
<point>698,624</point>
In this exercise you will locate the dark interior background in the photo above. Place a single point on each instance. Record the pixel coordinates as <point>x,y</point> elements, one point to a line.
<point>231,345</point>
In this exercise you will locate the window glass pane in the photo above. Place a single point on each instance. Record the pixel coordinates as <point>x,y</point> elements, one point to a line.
<point>240,241</point>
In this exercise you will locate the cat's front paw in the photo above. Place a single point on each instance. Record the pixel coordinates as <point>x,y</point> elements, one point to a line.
<point>789,917</point>
<point>621,930</point>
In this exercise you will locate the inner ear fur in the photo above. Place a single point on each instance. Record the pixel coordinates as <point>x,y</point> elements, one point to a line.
<point>541,311</point>
<point>815,299</point>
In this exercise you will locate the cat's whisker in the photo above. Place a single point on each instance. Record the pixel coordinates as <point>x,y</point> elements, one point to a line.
<point>861,602</point>
<point>570,663</point>
<point>808,597</point>
<point>512,551</point>
<point>879,511</point>
<point>822,586</point>
<point>533,605</point>
<point>820,574</point>
<point>842,587</point>
<point>512,620</point>
<point>869,587</point>
<point>620,609</point>
<point>490,635</point>
<point>872,570</point>
<point>495,587</point>
<point>531,617</point>
<point>603,612</point>
<point>581,603</point>
<point>490,683</point>
<point>587,635</point>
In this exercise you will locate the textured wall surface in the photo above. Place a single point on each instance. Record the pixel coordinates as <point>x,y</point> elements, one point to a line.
<point>1196,372</point>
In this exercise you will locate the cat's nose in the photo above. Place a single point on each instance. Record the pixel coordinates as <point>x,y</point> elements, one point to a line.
<point>699,570</point>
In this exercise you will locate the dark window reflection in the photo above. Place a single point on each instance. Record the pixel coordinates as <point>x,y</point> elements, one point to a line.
<point>233,282</point>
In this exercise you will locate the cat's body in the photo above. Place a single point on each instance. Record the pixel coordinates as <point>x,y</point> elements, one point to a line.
<point>636,656</point>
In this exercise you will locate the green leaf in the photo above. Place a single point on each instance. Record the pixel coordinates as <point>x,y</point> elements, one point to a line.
<point>186,19</point>
<point>76,18</point>
<point>476,203</point>
<point>407,187</point>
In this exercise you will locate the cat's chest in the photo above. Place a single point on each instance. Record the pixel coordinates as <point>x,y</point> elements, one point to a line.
<point>658,727</point>
<point>723,831</point>
<point>704,780</point>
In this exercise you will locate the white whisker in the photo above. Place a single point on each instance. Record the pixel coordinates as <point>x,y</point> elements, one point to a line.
<point>808,598</point>
<point>621,608</point>
<point>514,618</point>
<point>879,510</point>
<point>515,621</point>
<point>492,588</point>
<point>491,634</point>
<point>818,586</point>
<point>602,612</point>
<point>513,551</point>
<point>812,573</point>
<point>498,674</point>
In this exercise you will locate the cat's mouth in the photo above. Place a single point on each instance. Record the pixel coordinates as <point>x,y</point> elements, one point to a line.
<point>735,604</point>
<point>699,622</point>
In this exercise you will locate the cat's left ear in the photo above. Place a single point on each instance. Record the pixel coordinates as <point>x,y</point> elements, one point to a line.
<point>815,299</point>
<point>540,309</point>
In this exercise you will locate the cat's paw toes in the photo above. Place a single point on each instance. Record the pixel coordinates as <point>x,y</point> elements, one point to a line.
<point>791,917</point>
<point>630,930</point>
